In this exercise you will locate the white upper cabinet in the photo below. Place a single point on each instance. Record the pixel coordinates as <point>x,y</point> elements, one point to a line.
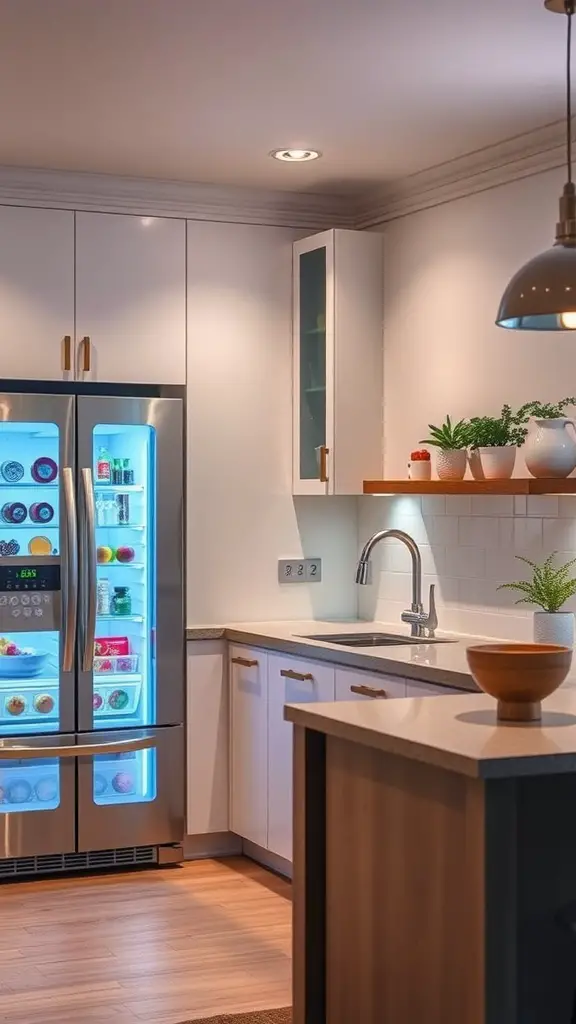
<point>130,299</point>
<point>36,293</point>
<point>338,357</point>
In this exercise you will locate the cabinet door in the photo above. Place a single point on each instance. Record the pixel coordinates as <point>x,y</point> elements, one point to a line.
<point>36,293</point>
<point>417,689</point>
<point>130,299</point>
<point>290,681</point>
<point>313,364</point>
<point>249,744</point>
<point>207,731</point>
<point>349,683</point>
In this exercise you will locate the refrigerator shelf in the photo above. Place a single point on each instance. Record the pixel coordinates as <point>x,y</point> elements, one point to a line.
<point>111,488</point>
<point>117,526</point>
<point>8,527</point>
<point>31,485</point>
<point>120,618</point>
<point>121,565</point>
<point>117,677</point>
<point>28,682</point>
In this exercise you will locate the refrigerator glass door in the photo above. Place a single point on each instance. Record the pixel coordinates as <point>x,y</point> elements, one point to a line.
<point>130,462</point>
<point>37,800</point>
<point>133,798</point>
<point>38,572</point>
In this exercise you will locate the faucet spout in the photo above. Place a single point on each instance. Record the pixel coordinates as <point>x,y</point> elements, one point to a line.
<point>417,617</point>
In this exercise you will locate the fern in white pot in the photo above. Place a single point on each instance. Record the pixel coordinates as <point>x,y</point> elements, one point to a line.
<point>549,589</point>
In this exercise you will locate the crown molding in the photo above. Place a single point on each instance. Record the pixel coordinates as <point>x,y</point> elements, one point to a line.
<point>104,193</point>
<point>524,155</point>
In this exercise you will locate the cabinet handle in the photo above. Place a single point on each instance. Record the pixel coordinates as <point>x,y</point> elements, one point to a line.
<point>245,662</point>
<point>67,352</point>
<point>324,452</point>
<point>302,677</point>
<point>85,353</point>
<point>368,691</point>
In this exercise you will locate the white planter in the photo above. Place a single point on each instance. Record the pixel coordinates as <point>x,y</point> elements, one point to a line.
<point>554,628</point>
<point>421,469</point>
<point>493,463</point>
<point>550,449</point>
<point>451,463</point>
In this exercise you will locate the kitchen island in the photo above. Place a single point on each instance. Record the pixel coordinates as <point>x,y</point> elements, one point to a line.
<point>434,863</point>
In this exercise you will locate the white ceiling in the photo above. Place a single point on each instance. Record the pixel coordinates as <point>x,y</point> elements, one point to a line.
<point>201,90</point>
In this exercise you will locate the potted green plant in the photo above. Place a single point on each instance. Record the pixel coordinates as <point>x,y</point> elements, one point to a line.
<point>493,441</point>
<point>551,448</point>
<point>549,589</point>
<point>450,441</point>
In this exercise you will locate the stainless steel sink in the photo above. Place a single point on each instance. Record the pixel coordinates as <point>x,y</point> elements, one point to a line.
<point>374,639</point>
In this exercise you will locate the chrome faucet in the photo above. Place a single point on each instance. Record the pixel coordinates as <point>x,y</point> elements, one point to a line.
<point>421,623</point>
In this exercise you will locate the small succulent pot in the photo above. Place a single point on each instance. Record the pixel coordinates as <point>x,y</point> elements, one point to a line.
<point>493,463</point>
<point>554,628</point>
<point>451,463</point>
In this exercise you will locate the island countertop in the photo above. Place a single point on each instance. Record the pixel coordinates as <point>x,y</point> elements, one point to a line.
<point>460,734</point>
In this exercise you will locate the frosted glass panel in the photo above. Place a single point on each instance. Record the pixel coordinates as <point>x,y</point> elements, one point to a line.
<point>312,360</point>
<point>29,786</point>
<point>125,494</point>
<point>128,778</point>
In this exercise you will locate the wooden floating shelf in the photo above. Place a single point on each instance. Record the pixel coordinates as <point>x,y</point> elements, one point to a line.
<point>519,485</point>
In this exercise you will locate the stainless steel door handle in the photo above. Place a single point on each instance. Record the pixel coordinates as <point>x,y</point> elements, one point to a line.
<point>70,594</point>
<point>21,752</point>
<point>89,572</point>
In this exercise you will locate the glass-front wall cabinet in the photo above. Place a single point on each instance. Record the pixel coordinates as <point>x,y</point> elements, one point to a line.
<point>312,347</point>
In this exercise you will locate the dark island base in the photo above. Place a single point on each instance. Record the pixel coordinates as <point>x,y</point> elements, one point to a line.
<point>425,895</point>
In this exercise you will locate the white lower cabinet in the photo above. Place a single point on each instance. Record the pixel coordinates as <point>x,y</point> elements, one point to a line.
<point>207,734</point>
<point>249,744</point>
<point>290,681</point>
<point>353,685</point>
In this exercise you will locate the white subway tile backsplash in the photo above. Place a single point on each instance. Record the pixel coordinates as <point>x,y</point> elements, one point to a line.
<point>520,505</point>
<point>542,505</point>
<point>492,505</point>
<point>468,545</point>
<point>527,532</point>
<point>458,504</point>
<point>559,533</point>
<point>442,529</point>
<point>465,562</point>
<point>433,504</point>
<point>479,531</point>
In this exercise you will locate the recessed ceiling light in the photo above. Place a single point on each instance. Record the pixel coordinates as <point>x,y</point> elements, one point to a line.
<point>295,156</point>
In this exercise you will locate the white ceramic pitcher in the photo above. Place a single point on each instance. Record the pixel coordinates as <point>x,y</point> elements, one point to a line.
<point>550,449</point>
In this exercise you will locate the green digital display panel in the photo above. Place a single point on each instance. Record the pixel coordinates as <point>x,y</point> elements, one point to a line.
<point>27,574</point>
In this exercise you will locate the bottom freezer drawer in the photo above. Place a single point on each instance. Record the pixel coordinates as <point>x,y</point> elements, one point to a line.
<point>37,800</point>
<point>133,798</point>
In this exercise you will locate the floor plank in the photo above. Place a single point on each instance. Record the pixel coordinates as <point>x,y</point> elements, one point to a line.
<point>154,947</point>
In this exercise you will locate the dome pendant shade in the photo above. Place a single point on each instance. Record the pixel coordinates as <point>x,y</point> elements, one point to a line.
<point>542,295</point>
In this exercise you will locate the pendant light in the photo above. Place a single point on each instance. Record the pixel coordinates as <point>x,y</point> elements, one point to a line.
<point>542,295</point>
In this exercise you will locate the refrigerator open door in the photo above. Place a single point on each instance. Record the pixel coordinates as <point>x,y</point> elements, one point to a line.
<point>131,634</point>
<point>131,797</point>
<point>38,570</point>
<point>37,796</point>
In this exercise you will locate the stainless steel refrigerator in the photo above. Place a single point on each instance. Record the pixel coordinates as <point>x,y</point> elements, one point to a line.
<point>91,631</point>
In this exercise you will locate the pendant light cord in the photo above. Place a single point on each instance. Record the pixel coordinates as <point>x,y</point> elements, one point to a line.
<point>569,12</point>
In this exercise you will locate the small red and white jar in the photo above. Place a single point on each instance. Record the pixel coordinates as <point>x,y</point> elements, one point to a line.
<point>420,467</point>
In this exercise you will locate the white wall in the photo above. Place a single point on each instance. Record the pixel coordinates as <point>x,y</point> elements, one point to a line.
<point>241,514</point>
<point>444,272</point>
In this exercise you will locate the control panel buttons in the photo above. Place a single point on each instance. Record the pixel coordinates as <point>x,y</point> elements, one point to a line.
<point>36,599</point>
<point>14,600</point>
<point>39,612</point>
<point>16,612</point>
<point>25,599</point>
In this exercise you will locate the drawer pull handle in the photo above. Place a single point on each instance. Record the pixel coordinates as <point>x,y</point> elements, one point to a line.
<point>245,662</point>
<point>86,354</point>
<point>324,452</point>
<point>368,691</point>
<point>301,677</point>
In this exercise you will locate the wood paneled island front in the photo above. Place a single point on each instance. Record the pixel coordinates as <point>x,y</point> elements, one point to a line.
<point>434,863</point>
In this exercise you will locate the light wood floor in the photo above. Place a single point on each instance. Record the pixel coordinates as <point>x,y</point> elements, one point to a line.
<point>158,947</point>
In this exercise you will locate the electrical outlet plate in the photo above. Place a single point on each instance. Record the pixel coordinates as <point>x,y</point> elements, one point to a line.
<point>299,570</point>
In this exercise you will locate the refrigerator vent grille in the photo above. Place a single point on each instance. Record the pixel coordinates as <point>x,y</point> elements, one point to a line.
<point>48,864</point>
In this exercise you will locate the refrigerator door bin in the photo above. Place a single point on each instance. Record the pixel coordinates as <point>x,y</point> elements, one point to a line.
<point>37,796</point>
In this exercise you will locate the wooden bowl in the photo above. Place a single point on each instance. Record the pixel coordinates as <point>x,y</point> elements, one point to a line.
<point>519,676</point>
